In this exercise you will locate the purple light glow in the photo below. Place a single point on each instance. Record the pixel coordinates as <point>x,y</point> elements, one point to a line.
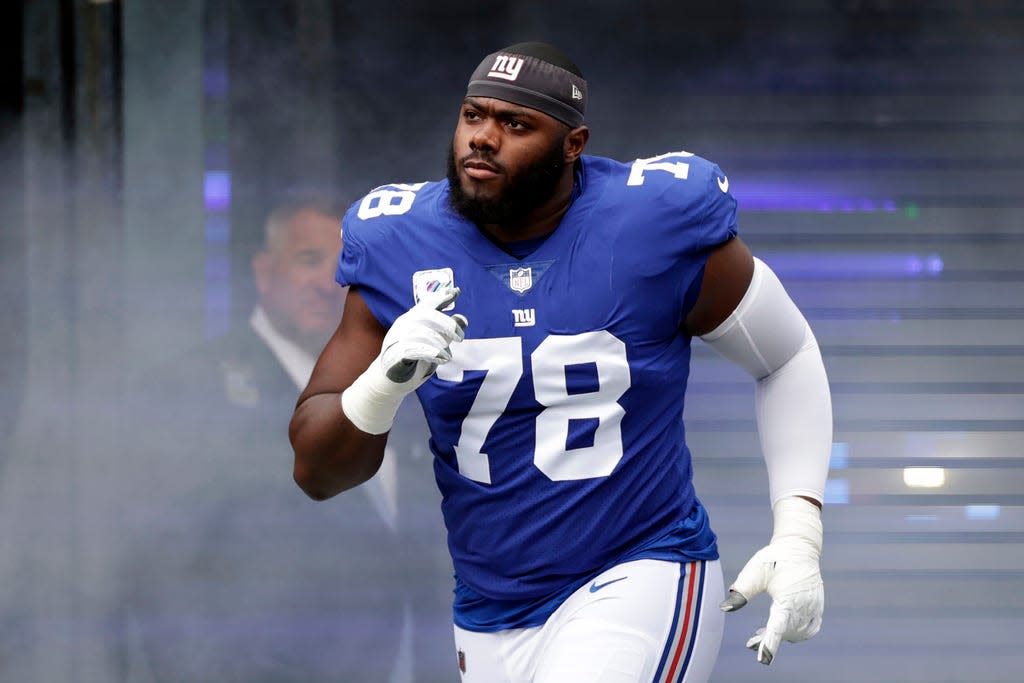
<point>218,268</point>
<point>216,155</point>
<point>839,265</point>
<point>218,309</point>
<point>218,229</point>
<point>215,81</point>
<point>759,195</point>
<point>217,190</point>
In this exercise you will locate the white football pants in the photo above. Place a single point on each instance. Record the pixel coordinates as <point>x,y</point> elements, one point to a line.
<point>646,621</point>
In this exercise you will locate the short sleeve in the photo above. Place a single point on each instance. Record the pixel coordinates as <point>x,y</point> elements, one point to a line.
<point>718,224</point>
<point>378,257</point>
<point>352,259</point>
<point>358,267</point>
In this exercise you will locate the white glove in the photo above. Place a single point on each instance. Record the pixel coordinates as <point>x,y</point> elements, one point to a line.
<point>788,568</point>
<point>419,340</point>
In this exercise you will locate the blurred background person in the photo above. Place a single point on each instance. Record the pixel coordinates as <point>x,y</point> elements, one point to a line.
<point>299,302</point>
<point>245,579</point>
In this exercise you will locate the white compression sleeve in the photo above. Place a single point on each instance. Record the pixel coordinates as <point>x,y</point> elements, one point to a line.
<point>769,337</point>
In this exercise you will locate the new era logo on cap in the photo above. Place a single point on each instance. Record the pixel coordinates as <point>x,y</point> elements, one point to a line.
<point>576,93</point>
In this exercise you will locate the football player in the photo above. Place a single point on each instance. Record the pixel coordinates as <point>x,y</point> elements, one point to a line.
<point>542,303</point>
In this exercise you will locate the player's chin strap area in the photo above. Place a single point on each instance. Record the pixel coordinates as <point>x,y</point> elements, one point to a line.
<point>769,337</point>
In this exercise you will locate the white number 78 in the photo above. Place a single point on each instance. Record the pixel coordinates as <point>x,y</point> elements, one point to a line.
<point>502,359</point>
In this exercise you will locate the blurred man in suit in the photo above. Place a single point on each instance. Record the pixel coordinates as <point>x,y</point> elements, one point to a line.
<point>241,577</point>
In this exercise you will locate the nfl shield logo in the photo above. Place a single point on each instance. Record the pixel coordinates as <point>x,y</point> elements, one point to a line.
<point>462,661</point>
<point>520,279</point>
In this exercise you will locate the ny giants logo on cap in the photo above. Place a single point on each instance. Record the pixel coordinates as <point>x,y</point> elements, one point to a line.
<point>506,67</point>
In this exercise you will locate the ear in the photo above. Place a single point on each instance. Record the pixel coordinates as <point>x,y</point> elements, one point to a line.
<point>575,141</point>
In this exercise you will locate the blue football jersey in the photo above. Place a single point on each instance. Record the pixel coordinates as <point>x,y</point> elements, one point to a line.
<point>556,428</point>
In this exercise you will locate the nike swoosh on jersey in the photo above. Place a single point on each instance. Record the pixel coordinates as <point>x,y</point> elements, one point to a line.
<point>594,587</point>
<point>723,184</point>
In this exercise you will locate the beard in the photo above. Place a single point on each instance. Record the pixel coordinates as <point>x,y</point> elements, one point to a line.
<point>528,189</point>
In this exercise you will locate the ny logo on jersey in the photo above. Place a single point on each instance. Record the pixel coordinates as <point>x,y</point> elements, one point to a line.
<point>506,67</point>
<point>524,317</point>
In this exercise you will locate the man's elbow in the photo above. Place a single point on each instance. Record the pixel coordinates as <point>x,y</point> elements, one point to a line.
<point>311,485</point>
<point>310,478</point>
<point>326,465</point>
<point>321,480</point>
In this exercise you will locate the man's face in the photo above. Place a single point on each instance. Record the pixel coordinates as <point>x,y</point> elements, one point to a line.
<point>295,279</point>
<point>505,161</point>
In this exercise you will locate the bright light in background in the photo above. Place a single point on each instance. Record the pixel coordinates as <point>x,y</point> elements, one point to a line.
<point>217,190</point>
<point>840,456</point>
<point>982,511</point>
<point>924,477</point>
<point>837,492</point>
